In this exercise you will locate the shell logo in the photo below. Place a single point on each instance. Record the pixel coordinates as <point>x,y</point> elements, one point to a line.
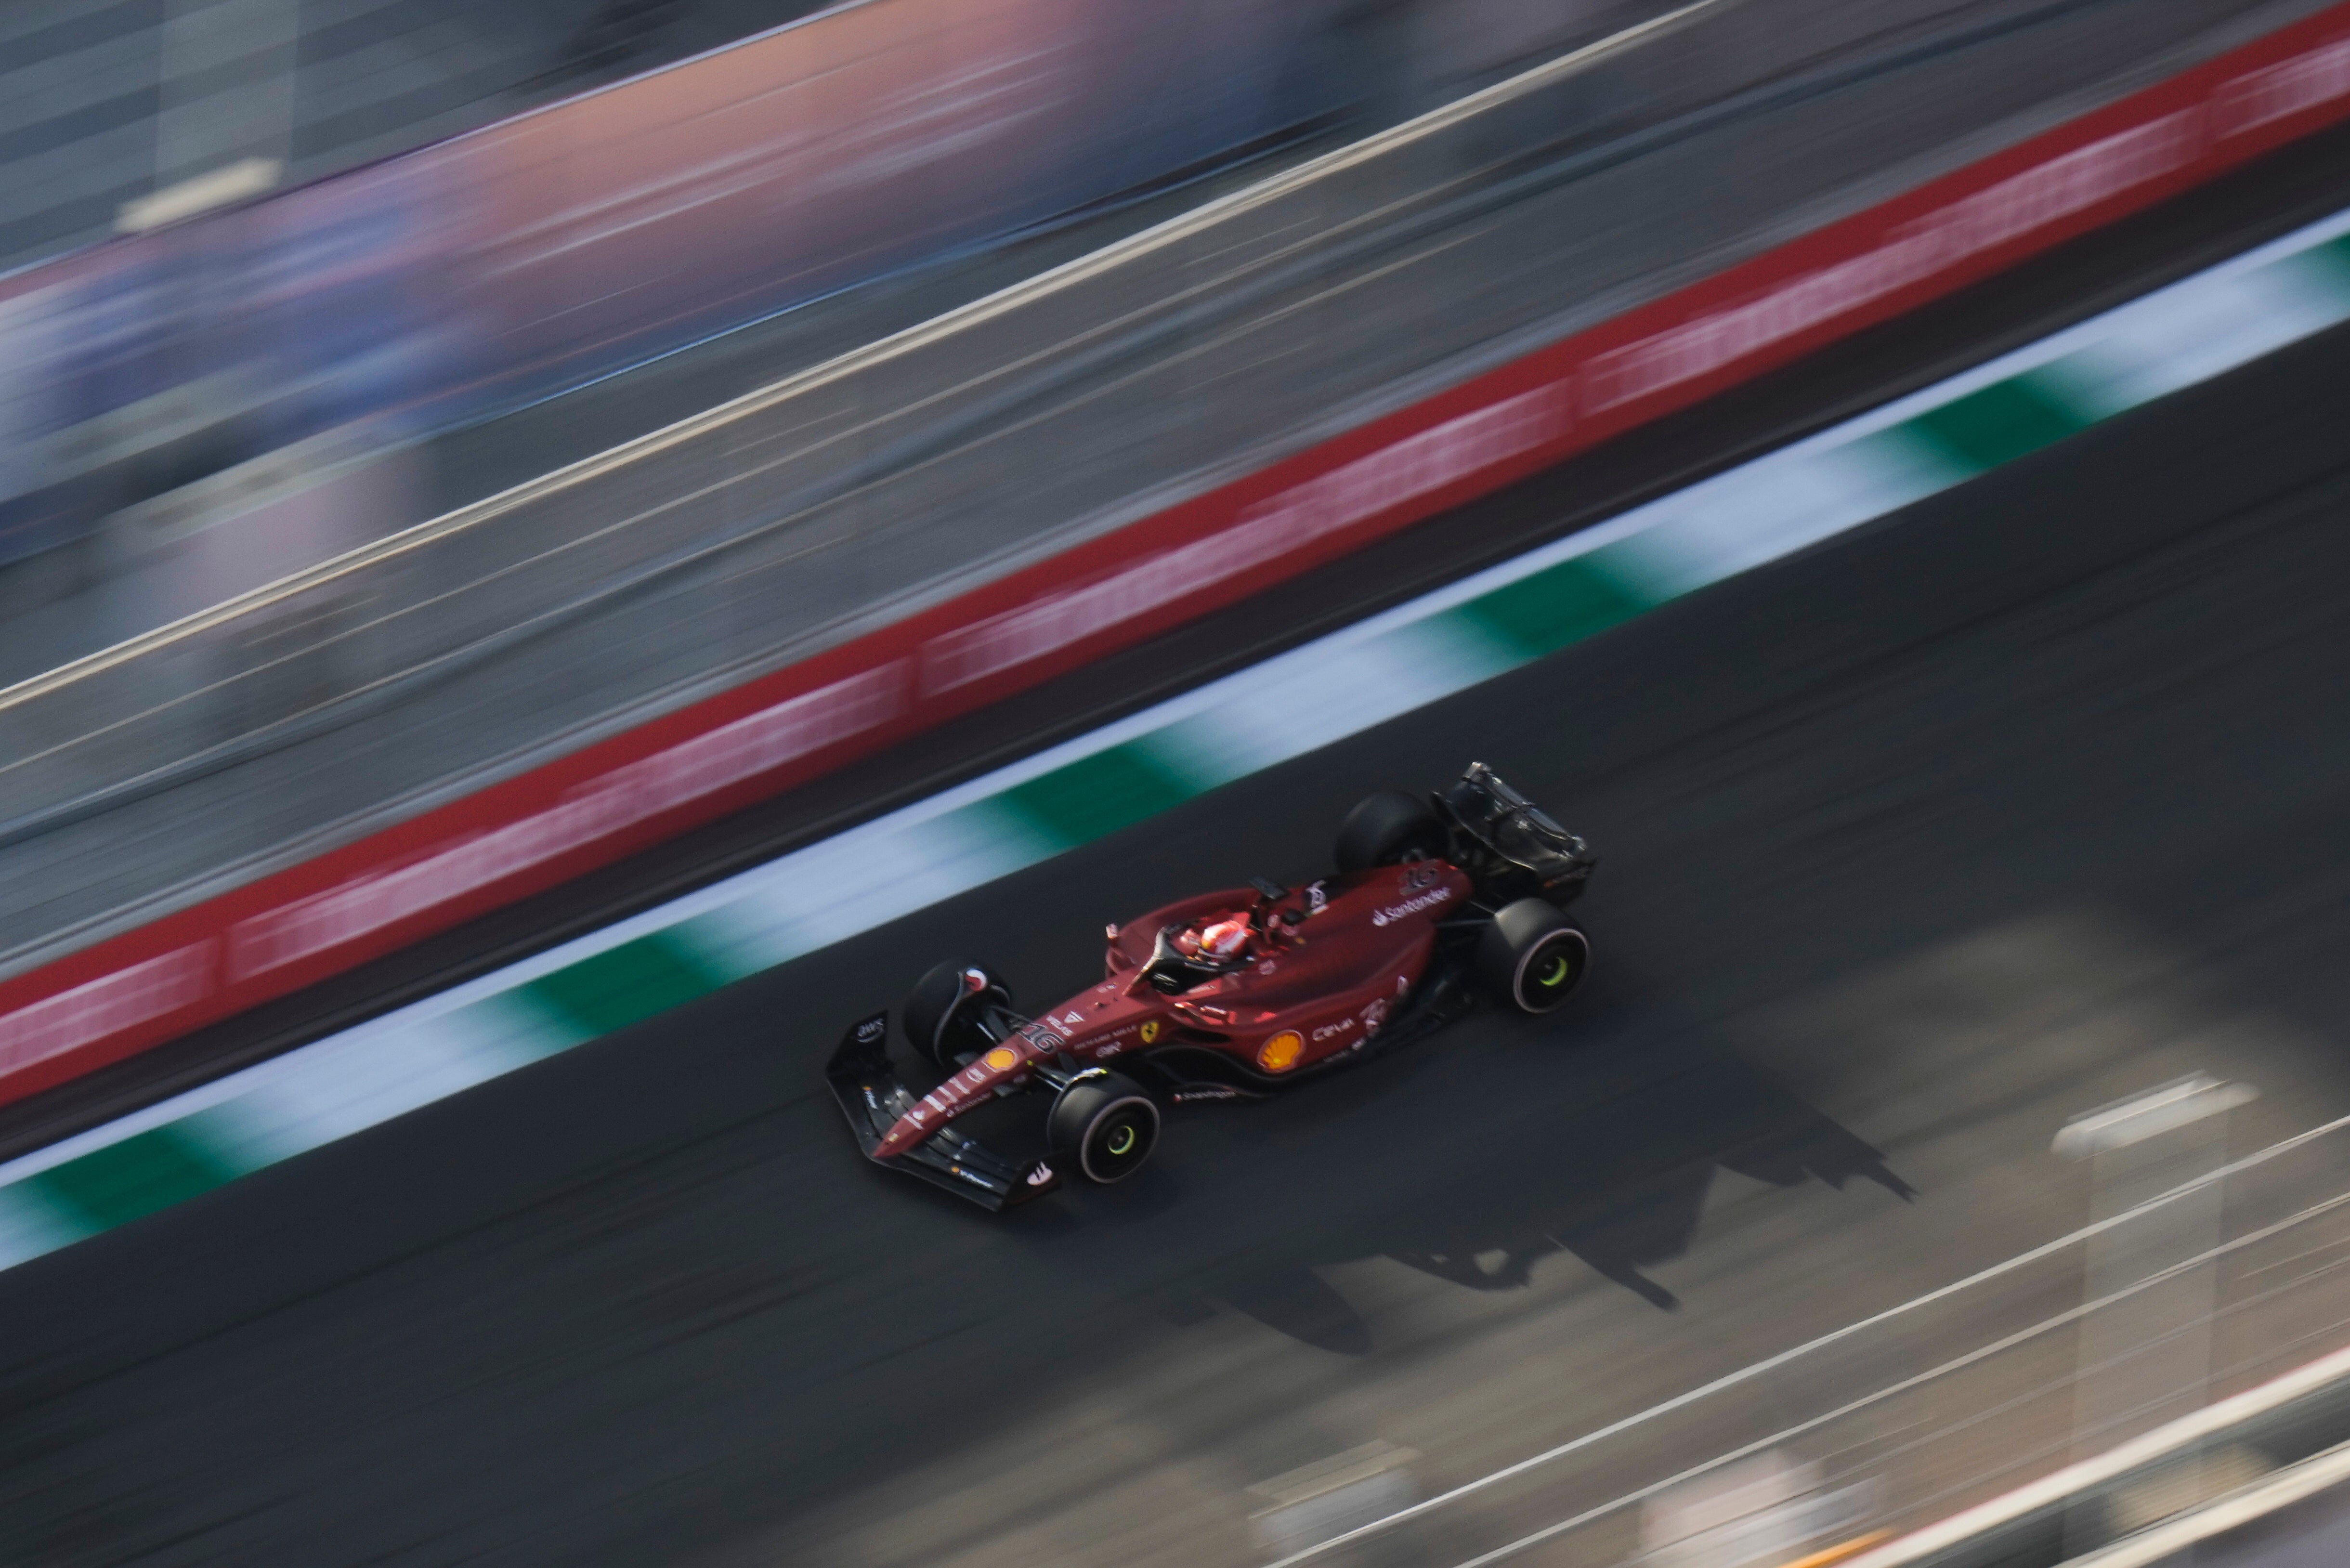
<point>1004,1058</point>
<point>1280,1054</point>
<point>1150,1030</point>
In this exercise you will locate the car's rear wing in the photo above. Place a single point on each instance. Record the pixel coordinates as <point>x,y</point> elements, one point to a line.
<point>1512,840</point>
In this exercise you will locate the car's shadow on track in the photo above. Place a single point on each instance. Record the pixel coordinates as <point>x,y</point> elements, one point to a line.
<point>1474,1157</point>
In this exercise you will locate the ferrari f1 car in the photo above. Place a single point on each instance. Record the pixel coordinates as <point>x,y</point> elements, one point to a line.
<point>1234,994</point>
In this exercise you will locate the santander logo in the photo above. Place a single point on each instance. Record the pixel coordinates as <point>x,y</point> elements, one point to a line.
<point>1411,905</point>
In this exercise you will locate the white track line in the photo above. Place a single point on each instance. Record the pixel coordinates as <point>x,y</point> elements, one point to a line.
<point>1769,1363</point>
<point>1956,1364</point>
<point>2279,1491</point>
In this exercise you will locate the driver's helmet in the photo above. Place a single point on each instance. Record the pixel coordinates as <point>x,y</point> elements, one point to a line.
<point>1225,938</point>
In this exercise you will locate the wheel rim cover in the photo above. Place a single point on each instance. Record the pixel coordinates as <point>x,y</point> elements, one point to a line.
<point>1551,971</point>
<point>1119,1142</point>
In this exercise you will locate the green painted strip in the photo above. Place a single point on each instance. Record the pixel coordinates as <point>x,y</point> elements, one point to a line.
<point>31,1224</point>
<point>2323,268</point>
<point>2333,255</point>
<point>151,1170</point>
<point>625,984</point>
<point>1098,794</point>
<point>1563,604</point>
<point>2004,421</point>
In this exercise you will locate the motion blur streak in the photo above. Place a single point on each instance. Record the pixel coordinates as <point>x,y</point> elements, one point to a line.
<point>1440,644</point>
<point>2103,170</point>
<point>1973,1282</point>
<point>1978,1354</point>
<point>1898,829</point>
<point>528,253</point>
<point>1973,778</point>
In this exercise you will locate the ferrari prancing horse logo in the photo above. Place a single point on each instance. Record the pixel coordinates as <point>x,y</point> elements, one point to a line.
<point>1150,1030</point>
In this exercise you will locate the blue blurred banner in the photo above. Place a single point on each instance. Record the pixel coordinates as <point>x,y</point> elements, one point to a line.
<point>516,260</point>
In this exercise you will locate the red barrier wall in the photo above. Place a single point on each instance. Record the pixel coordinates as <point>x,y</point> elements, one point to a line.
<point>631,791</point>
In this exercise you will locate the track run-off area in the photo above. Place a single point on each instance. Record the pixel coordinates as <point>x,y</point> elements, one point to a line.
<point>1954,772</point>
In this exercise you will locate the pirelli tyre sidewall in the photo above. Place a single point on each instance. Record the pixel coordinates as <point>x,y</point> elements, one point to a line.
<point>1532,956</point>
<point>1105,1128</point>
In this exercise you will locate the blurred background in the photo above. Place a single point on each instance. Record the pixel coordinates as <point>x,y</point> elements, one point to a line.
<point>414,416</point>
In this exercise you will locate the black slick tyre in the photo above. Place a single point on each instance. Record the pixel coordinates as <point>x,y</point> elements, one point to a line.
<point>1104,1127</point>
<point>939,1013</point>
<point>1388,829</point>
<point>1531,956</point>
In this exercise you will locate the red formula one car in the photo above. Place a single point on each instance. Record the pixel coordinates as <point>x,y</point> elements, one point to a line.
<point>1233,995</point>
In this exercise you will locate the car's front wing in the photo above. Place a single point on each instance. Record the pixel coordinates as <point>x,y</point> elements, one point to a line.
<point>871,1097</point>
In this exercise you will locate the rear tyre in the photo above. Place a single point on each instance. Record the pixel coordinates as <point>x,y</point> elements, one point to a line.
<point>1531,956</point>
<point>941,1011</point>
<point>1105,1129</point>
<point>1388,829</point>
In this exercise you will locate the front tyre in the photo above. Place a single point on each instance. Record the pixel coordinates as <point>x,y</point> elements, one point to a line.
<point>1532,956</point>
<point>941,1013</point>
<point>1105,1127</point>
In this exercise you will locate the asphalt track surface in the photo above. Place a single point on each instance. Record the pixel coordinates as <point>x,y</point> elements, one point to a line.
<point>1914,845</point>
